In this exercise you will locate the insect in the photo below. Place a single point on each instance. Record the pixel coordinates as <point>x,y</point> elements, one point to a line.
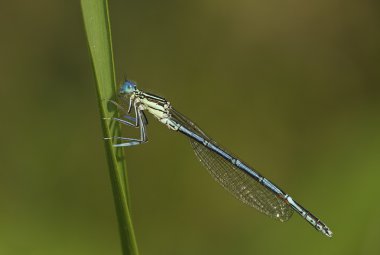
<point>243,181</point>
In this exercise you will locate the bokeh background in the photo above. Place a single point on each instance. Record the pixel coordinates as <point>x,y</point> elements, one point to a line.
<point>292,87</point>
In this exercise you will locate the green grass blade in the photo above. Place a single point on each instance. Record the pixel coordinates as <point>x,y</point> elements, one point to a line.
<point>97,26</point>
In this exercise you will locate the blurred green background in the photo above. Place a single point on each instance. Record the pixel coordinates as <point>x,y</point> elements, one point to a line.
<point>292,87</point>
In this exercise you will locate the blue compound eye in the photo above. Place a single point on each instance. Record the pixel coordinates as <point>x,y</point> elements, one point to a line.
<point>127,87</point>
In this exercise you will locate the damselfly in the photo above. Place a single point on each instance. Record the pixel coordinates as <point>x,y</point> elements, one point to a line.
<point>244,182</point>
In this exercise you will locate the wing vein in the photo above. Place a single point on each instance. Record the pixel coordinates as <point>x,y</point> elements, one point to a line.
<point>240,184</point>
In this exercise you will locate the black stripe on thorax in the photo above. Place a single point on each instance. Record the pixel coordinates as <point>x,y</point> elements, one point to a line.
<point>154,97</point>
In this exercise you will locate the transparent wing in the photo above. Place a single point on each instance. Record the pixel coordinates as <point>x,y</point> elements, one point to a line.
<point>241,185</point>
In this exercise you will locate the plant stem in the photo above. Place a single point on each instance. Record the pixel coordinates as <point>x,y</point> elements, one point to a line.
<point>97,26</point>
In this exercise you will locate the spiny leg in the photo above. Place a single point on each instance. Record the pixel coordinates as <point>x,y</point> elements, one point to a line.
<point>127,116</point>
<point>133,141</point>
